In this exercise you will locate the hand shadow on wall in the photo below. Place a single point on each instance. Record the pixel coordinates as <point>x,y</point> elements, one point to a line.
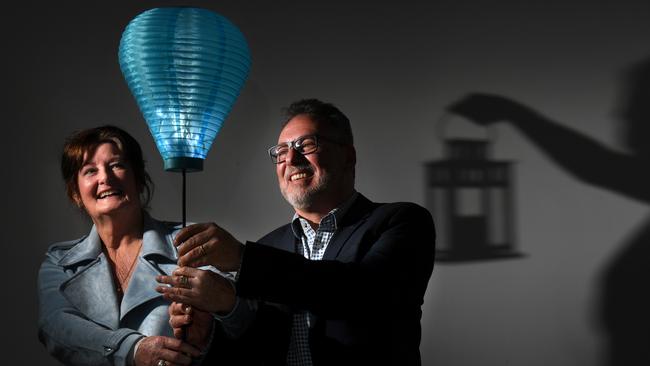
<point>624,308</point>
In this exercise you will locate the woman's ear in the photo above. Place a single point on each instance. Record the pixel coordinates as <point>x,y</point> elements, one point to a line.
<point>77,200</point>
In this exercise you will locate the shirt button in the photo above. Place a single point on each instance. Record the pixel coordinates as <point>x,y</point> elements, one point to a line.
<point>108,349</point>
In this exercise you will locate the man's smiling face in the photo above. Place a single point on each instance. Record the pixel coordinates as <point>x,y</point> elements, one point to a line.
<point>304,180</point>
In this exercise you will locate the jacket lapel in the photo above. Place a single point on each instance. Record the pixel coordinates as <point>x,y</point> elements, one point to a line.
<point>91,289</point>
<point>357,215</point>
<point>157,257</point>
<point>288,241</point>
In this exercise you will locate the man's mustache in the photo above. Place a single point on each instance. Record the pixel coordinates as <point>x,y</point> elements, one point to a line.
<point>305,168</point>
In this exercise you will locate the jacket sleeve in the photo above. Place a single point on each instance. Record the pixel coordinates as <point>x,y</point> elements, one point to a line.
<point>68,334</point>
<point>390,275</point>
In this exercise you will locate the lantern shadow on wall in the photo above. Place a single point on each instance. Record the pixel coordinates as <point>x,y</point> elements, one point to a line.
<point>471,198</point>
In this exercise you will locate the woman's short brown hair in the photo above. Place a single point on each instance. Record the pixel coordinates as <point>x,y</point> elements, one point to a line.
<point>84,142</point>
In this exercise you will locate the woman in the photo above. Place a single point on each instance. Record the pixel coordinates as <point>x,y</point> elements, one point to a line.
<point>97,297</point>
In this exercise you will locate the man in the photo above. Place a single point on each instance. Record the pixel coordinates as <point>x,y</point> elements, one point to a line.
<point>343,283</point>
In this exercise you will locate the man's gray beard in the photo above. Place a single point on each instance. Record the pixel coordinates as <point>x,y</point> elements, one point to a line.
<point>306,199</point>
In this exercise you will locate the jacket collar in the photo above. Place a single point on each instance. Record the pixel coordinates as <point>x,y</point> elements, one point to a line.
<point>357,214</point>
<point>87,249</point>
<point>157,239</point>
<point>359,210</point>
<point>155,234</point>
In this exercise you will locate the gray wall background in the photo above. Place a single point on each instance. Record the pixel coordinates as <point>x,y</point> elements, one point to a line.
<point>392,67</point>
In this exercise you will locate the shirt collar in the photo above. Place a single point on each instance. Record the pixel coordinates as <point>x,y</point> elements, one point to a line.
<point>329,221</point>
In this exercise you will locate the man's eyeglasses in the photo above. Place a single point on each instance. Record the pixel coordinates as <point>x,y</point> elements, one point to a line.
<point>305,145</point>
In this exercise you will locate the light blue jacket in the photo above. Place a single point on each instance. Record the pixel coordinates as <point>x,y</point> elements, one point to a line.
<point>80,319</point>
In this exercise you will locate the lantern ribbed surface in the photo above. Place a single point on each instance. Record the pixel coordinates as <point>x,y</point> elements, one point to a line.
<point>185,68</point>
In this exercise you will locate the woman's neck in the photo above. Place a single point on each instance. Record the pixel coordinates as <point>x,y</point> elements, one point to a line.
<point>123,229</point>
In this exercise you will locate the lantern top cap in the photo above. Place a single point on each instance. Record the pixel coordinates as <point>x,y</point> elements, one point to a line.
<point>179,164</point>
<point>467,149</point>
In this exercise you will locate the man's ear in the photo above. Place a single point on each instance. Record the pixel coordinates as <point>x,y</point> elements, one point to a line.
<point>351,156</point>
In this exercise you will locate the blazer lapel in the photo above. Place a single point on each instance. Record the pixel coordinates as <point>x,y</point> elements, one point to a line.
<point>288,241</point>
<point>91,289</point>
<point>357,215</point>
<point>157,257</point>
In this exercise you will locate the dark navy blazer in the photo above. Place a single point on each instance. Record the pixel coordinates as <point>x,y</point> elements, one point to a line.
<point>364,297</point>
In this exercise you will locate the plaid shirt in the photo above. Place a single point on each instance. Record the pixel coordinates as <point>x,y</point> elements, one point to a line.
<point>312,245</point>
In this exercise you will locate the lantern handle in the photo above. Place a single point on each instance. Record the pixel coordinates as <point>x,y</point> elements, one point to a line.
<point>491,133</point>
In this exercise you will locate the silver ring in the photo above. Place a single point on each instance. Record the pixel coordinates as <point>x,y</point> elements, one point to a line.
<point>161,363</point>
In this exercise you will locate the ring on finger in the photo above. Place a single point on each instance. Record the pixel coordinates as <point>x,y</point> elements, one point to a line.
<point>161,363</point>
<point>184,281</point>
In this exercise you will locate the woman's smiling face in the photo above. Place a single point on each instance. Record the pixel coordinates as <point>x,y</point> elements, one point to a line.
<point>106,182</point>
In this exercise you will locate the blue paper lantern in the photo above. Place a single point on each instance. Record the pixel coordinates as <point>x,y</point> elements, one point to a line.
<point>185,68</point>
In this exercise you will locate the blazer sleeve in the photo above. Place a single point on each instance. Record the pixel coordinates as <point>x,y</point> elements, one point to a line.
<point>68,334</point>
<point>394,264</point>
